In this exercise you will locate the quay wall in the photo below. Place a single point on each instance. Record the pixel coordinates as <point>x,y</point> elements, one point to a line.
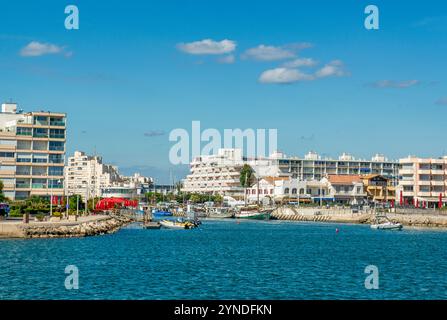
<point>414,218</point>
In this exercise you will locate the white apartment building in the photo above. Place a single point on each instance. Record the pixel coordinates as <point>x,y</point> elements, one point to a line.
<point>32,152</point>
<point>422,180</point>
<point>314,167</point>
<point>216,174</point>
<point>87,175</point>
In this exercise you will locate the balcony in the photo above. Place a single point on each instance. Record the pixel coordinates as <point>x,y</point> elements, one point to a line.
<point>39,185</point>
<point>57,123</point>
<point>54,148</point>
<point>424,182</point>
<point>23,160</point>
<point>40,135</point>
<point>57,136</point>
<point>24,133</point>
<point>437,172</point>
<point>22,185</point>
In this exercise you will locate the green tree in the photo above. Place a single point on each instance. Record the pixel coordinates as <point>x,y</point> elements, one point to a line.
<point>247,176</point>
<point>2,196</point>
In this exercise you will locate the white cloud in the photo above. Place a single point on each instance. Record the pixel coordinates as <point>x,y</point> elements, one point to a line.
<point>395,84</point>
<point>333,68</point>
<point>284,75</point>
<point>226,59</point>
<point>208,46</point>
<point>35,49</point>
<point>272,53</point>
<point>300,62</point>
<point>289,75</point>
<point>268,53</point>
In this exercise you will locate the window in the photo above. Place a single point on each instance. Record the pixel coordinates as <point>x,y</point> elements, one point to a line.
<point>55,158</point>
<point>57,133</point>
<point>41,120</point>
<point>56,146</point>
<point>294,191</point>
<point>286,190</point>
<point>56,171</point>
<point>24,131</point>
<point>6,154</point>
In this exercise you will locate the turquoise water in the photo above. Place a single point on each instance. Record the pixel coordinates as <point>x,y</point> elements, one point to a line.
<point>227,260</point>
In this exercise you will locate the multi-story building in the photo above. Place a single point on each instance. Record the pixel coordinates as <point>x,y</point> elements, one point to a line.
<point>314,167</point>
<point>422,180</point>
<point>280,189</point>
<point>345,189</point>
<point>220,173</point>
<point>32,152</point>
<point>216,174</point>
<point>87,175</point>
<point>378,188</point>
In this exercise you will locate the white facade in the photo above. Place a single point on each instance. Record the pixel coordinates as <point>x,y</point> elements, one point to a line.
<point>286,188</point>
<point>314,167</point>
<point>422,180</point>
<point>87,175</point>
<point>216,174</point>
<point>32,152</point>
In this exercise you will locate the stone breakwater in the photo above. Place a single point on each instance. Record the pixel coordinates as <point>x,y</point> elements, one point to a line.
<point>83,229</point>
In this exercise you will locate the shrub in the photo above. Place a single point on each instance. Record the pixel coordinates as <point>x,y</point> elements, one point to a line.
<point>57,214</point>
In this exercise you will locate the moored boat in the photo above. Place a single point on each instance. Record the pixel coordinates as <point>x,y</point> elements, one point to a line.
<point>387,226</point>
<point>175,224</point>
<point>253,212</point>
<point>220,213</point>
<point>383,223</point>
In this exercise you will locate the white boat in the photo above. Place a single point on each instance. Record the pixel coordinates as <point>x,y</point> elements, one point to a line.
<point>387,225</point>
<point>219,213</point>
<point>172,224</point>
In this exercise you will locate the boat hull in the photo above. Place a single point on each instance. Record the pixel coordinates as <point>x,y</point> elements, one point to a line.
<point>396,227</point>
<point>176,225</point>
<point>253,215</point>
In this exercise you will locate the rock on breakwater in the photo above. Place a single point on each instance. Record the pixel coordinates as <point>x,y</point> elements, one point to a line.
<point>83,229</point>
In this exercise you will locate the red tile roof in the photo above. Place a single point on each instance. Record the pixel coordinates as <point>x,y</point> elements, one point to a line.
<point>343,179</point>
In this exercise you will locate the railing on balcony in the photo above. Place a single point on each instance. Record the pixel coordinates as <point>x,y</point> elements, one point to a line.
<point>40,160</point>
<point>39,186</point>
<point>40,135</point>
<point>57,136</point>
<point>24,173</point>
<point>57,123</point>
<point>56,148</point>
<point>24,133</point>
<point>22,185</point>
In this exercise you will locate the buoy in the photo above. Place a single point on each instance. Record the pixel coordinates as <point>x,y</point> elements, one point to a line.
<point>336,230</point>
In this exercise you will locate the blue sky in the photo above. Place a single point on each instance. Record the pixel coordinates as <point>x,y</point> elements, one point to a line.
<point>126,81</point>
